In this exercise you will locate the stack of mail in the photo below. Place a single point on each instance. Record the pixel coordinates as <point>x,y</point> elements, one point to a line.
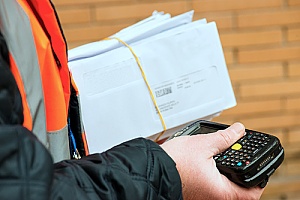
<point>184,65</point>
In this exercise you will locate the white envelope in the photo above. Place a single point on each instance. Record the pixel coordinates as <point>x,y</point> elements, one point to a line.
<point>186,71</point>
<point>155,24</point>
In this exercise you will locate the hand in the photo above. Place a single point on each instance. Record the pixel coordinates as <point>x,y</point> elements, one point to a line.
<point>200,177</point>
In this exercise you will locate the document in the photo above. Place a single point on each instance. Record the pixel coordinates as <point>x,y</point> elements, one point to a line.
<point>155,24</point>
<point>186,71</point>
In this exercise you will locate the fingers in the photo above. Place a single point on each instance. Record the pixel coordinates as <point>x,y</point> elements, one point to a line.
<point>223,139</point>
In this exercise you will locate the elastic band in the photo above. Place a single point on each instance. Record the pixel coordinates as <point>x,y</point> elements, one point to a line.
<point>147,83</point>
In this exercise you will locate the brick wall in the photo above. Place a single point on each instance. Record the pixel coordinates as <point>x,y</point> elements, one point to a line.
<point>261,41</point>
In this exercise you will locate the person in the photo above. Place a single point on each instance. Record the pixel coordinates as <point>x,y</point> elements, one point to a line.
<point>182,168</point>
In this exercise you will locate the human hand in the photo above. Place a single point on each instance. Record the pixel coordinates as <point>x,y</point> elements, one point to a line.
<point>200,177</point>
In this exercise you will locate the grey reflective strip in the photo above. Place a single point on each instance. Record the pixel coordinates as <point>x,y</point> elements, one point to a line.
<point>266,167</point>
<point>16,28</point>
<point>59,144</point>
<point>80,114</point>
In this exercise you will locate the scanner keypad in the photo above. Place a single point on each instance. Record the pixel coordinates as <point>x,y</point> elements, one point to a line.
<point>243,151</point>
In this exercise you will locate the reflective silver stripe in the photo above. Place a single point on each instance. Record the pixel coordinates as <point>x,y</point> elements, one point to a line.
<point>80,114</point>
<point>16,28</point>
<point>59,144</point>
<point>266,167</point>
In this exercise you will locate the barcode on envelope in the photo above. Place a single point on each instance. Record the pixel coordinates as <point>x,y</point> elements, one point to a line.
<point>164,91</point>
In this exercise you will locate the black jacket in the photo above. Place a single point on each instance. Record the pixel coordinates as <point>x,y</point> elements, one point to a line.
<point>137,169</point>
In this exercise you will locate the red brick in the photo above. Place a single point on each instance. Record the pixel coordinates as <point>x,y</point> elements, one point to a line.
<point>293,34</point>
<point>265,89</point>
<point>269,54</point>
<point>232,5</point>
<point>139,10</point>
<point>293,104</point>
<point>273,18</point>
<point>223,21</point>
<point>93,33</point>
<point>237,39</point>
<point>292,151</point>
<point>77,15</point>
<point>253,108</point>
<point>294,69</point>
<point>290,195</point>
<point>256,72</point>
<point>289,185</point>
<point>294,136</point>
<point>272,121</point>
<point>229,56</point>
<point>293,2</point>
<point>293,167</point>
<point>80,2</point>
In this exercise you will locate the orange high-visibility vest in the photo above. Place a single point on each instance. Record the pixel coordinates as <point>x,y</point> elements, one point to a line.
<point>38,57</point>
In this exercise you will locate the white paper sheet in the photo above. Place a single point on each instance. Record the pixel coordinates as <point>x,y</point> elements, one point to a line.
<point>185,69</point>
<point>152,26</point>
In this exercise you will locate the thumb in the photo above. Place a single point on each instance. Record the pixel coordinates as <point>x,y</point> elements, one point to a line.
<point>223,139</point>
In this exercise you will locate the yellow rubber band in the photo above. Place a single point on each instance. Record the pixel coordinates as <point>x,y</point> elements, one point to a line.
<point>148,86</point>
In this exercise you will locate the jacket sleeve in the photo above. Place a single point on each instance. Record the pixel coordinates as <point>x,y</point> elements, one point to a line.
<point>26,167</point>
<point>137,169</point>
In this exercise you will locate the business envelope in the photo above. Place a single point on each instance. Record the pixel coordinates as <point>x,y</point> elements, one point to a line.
<point>150,26</point>
<point>185,69</point>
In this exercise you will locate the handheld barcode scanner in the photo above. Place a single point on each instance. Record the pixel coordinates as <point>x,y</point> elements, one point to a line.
<point>248,162</point>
